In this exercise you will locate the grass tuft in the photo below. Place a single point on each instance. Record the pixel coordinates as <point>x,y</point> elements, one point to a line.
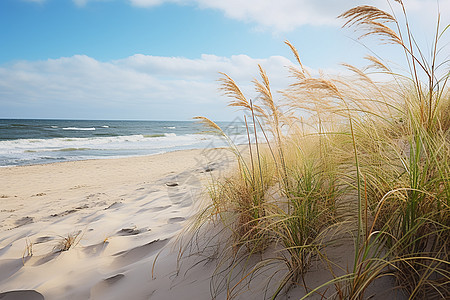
<point>68,242</point>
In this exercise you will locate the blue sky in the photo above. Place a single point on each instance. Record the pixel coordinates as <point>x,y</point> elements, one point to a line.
<point>159,59</point>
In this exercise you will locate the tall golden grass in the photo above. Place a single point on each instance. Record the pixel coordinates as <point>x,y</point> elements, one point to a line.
<point>373,160</point>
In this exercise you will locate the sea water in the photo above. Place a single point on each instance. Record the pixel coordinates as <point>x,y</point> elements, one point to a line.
<point>27,142</point>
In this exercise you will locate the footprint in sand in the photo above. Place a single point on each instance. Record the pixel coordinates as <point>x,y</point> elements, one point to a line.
<point>113,279</point>
<point>22,295</point>
<point>43,239</point>
<point>176,220</point>
<point>24,221</point>
<point>129,231</point>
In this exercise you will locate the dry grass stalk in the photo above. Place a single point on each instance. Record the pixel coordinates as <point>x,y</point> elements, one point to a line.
<point>71,240</point>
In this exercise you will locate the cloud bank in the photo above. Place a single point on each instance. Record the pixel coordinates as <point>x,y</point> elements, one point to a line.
<point>137,87</point>
<point>285,15</point>
<point>288,15</point>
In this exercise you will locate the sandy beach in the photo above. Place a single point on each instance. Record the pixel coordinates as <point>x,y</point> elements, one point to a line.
<point>111,229</point>
<point>121,214</point>
<point>125,218</point>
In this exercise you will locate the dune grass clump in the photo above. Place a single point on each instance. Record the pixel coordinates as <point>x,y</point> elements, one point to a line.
<point>239,201</point>
<point>305,209</point>
<point>371,157</point>
<point>244,200</point>
<point>66,243</point>
<point>405,164</point>
<point>248,203</point>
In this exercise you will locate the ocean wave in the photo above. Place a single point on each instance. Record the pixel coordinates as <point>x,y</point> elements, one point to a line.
<point>31,151</point>
<point>103,142</point>
<point>72,149</point>
<point>79,128</point>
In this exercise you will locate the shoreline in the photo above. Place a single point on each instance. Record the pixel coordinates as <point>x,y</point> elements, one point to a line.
<point>41,142</point>
<point>113,157</point>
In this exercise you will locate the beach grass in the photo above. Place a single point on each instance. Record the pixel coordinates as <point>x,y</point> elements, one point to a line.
<point>347,154</point>
<point>68,242</point>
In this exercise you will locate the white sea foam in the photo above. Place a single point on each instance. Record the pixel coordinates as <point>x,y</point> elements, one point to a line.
<point>29,151</point>
<point>169,140</point>
<point>78,128</point>
<point>105,126</point>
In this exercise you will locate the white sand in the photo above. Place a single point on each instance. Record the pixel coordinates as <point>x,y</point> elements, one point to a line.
<point>127,217</point>
<point>126,214</point>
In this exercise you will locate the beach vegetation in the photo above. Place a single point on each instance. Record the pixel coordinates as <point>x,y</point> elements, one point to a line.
<point>28,252</point>
<point>68,242</point>
<point>364,155</point>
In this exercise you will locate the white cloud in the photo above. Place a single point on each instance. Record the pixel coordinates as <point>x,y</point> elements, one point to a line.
<point>287,15</point>
<point>146,87</point>
<point>281,15</point>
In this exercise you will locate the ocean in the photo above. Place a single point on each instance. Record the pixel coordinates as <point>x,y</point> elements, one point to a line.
<point>28,142</point>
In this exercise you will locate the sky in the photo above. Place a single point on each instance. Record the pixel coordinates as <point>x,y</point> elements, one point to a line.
<point>160,59</point>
